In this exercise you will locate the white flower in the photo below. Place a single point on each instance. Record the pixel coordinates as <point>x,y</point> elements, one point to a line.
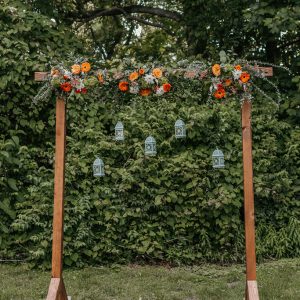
<point>134,89</point>
<point>160,91</point>
<point>68,73</point>
<point>236,74</point>
<point>215,81</point>
<point>149,78</point>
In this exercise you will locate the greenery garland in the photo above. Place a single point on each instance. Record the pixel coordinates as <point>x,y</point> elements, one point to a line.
<point>225,80</point>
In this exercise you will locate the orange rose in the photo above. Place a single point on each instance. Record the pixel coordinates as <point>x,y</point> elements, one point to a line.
<point>245,77</point>
<point>123,86</point>
<point>167,87</point>
<point>133,76</point>
<point>66,87</point>
<point>238,67</point>
<point>216,69</point>
<point>145,92</point>
<point>85,66</point>
<point>157,72</point>
<point>141,71</point>
<point>76,69</point>
<point>228,82</point>
<point>220,93</point>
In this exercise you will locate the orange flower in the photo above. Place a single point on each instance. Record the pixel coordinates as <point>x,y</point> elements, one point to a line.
<point>123,86</point>
<point>245,77</point>
<point>141,71</point>
<point>100,78</point>
<point>216,69</point>
<point>133,76</point>
<point>220,93</point>
<point>55,72</point>
<point>66,87</point>
<point>228,82</point>
<point>85,66</point>
<point>145,92</point>
<point>167,87</point>
<point>157,72</point>
<point>76,69</point>
<point>238,67</point>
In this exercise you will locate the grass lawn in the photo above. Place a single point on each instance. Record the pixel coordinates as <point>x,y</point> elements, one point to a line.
<point>276,280</point>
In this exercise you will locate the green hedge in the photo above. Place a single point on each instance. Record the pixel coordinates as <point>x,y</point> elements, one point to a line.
<point>173,207</point>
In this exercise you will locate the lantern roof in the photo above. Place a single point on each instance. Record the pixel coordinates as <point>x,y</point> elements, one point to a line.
<point>217,153</point>
<point>119,125</point>
<point>98,161</point>
<point>150,139</point>
<point>179,123</point>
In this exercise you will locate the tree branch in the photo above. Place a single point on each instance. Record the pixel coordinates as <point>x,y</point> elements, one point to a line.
<point>154,24</point>
<point>114,11</point>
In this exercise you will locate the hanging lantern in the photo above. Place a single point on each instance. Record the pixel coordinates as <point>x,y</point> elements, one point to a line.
<point>119,131</point>
<point>98,167</point>
<point>150,146</point>
<point>218,159</point>
<point>180,131</point>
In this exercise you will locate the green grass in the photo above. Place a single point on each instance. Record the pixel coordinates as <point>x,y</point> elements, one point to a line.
<point>276,280</point>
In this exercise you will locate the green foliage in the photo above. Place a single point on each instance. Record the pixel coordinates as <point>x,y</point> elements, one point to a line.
<point>173,207</point>
<point>28,41</point>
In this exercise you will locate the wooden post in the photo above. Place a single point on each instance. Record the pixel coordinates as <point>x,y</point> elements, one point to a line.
<point>248,199</point>
<point>57,289</point>
<point>251,291</point>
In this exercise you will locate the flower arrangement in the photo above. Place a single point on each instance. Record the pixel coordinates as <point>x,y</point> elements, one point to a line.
<point>231,80</point>
<point>74,80</point>
<point>225,80</point>
<point>145,83</point>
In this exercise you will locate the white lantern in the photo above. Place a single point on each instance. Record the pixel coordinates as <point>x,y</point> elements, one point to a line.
<point>98,167</point>
<point>180,131</point>
<point>218,159</point>
<point>119,131</point>
<point>150,146</point>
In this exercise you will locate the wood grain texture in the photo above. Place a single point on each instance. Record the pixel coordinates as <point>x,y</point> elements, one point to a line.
<point>57,290</point>
<point>59,186</point>
<point>268,71</point>
<point>252,290</point>
<point>40,76</point>
<point>248,192</point>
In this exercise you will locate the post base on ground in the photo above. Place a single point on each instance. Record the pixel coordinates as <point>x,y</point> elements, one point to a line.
<point>57,290</point>
<point>251,290</point>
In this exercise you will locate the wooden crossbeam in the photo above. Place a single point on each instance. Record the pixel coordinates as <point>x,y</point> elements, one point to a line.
<point>267,71</point>
<point>40,76</point>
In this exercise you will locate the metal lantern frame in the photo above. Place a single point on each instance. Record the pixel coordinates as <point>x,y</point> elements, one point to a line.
<point>218,159</point>
<point>150,146</point>
<point>98,167</point>
<point>180,129</point>
<point>119,131</point>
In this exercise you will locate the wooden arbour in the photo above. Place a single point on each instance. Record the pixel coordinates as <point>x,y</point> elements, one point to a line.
<point>57,289</point>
